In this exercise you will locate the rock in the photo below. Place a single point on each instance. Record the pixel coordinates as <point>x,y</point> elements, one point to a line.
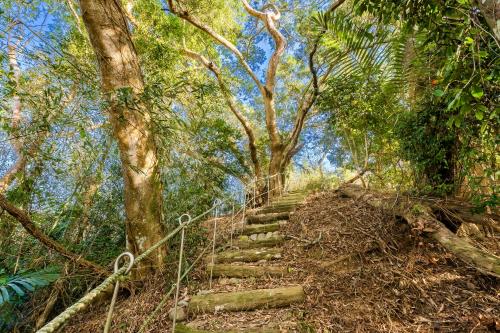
<point>269,234</point>
<point>234,281</point>
<point>253,237</point>
<point>263,261</point>
<point>223,281</point>
<point>183,303</point>
<point>276,233</point>
<point>243,238</point>
<point>261,236</point>
<point>181,314</point>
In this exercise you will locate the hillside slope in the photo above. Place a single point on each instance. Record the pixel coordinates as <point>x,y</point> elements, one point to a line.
<point>362,270</point>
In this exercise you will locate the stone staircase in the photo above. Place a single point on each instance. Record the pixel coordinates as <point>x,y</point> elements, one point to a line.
<point>254,254</point>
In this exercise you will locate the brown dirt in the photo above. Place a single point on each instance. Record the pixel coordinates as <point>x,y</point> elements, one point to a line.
<point>391,280</point>
<point>362,269</point>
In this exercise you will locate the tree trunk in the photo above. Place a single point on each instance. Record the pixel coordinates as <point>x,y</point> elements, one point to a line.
<point>491,12</point>
<point>276,171</point>
<point>122,84</point>
<point>420,217</point>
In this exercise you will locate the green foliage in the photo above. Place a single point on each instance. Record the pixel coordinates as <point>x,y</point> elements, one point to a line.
<point>13,288</point>
<point>433,161</point>
<point>450,134</point>
<point>357,47</point>
<point>14,291</point>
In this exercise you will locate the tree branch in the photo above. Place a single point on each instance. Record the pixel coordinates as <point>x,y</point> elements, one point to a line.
<point>310,98</point>
<point>184,14</point>
<point>48,242</point>
<point>230,101</point>
<point>269,19</point>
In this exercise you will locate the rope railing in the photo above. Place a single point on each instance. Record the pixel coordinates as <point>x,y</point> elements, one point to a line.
<point>114,278</point>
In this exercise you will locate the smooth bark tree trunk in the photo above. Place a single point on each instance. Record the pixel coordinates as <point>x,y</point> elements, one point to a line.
<point>276,169</point>
<point>122,84</point>
<point>491,12</point>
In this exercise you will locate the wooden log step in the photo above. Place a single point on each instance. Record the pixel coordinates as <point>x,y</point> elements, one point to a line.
<point>272,209</point>
<point>246,300</point>
<point>275,209</point>
<point>245,242</point>
<point>250,229</point>
<point>270,217</point>
<point>288,199</point>
<point>250,255</point>
<point>185,329</point>
<point>243,271</point>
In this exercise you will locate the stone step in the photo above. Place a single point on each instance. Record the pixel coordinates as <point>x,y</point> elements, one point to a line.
<point>250,229</point>
<point>246,300</point>
<point>250,242</point>
<point>244,271</point>
<point>249,255</point>
<point>269,217</point>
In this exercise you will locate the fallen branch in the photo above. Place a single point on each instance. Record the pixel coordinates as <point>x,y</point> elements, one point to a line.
<point>464,215</point>
<point>34,231</point>
<point>420,217</point>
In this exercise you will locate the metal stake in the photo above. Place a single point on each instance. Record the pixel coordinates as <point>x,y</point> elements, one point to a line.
<point>179,267</point>
<point>130,256</point>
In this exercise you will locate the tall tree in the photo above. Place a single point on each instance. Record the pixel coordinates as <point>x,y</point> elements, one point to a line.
<point>122,85</point>
<point>282,147</point>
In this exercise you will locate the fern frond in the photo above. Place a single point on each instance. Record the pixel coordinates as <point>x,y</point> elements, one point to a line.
<point>354,47</point>
<point>17,286</point>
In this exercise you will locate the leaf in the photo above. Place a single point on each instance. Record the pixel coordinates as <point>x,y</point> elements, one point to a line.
<point>477,92</point>
<point>25,284</point>
<point>438,92</point>
<point>468,41</point>
<point>18,290</point>
<point>5,294</point>
<point>479,115</point>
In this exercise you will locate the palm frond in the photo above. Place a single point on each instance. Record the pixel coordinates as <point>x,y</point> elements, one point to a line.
<point>360,48</point>
<point>17,286</point>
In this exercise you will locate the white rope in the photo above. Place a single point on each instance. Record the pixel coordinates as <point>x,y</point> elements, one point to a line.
<point>213,243</point>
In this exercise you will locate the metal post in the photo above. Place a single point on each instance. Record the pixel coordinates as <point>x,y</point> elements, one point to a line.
<point>130,256</point>
<point>244,209</point>
<point>179,267</point>
<point>217,203</point>
<point>268,189</point>
<point>232,224</point>
<point>254,190</point>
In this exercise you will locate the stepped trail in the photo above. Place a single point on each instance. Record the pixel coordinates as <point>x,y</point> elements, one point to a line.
<point>255,254</point>
<point>319,263</point>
